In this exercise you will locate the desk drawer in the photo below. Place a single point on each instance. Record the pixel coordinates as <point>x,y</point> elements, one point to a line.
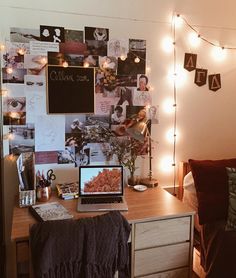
<point>176,273</point>
<point>161,259</point>
<point>162,232</point>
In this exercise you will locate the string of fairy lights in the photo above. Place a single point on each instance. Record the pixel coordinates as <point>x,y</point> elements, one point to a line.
<point>169,44</point>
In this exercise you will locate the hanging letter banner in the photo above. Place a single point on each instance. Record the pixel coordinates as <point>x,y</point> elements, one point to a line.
<point>190,61</point>
<point>200,77</point>
<point>214,82</point>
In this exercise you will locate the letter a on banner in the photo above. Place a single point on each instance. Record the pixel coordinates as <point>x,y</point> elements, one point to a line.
<point>214,82</point>
<point>190,61</point>
<point>200,77</point>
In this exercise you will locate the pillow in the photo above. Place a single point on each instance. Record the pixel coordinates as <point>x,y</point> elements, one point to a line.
<point>231,219</point>
<point>188,182</point>
<point>211,182</point>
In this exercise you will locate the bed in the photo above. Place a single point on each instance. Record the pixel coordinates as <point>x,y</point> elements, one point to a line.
<point>204,186</point>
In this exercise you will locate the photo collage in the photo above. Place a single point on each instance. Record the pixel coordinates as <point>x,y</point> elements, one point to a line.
<point>122,95</point>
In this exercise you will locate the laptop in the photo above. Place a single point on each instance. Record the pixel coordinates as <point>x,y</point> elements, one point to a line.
<point>101,188</point>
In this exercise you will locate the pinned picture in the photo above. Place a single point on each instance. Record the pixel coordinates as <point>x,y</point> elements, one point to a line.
<point>142,98</point>
<point>117,48</point>
<point>13,75</point>
<point>96,33</point>
<point>14,104</point>
<point>74,43</point>
<point>52,33</point>
<point>142,83</point>
<point>153,114</point>
<point>106,62</point>
<point>24,35</point>
<point>96,47</point>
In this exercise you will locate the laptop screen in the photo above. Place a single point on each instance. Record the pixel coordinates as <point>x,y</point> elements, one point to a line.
<point>100,180</point>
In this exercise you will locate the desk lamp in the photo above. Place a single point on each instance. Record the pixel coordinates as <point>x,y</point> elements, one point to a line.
<point>140,131</point>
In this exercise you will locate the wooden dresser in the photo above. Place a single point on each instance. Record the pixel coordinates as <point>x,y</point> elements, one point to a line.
<point>161,234</point>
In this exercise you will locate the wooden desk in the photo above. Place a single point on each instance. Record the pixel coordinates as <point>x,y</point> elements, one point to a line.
<point>161,237</point>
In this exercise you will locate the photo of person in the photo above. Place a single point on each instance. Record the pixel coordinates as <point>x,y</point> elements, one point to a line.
<point>117,117</point>
<point>125,94</point>
<point>153,114</point>
<point>106,62</point>
<point>142,83</point>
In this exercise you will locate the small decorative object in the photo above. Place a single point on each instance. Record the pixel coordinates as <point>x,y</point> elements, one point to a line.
<point>190,61</point>
<point>43,188</point>
<point>200,77</point>
<point>140,187</point>
<point>214,82</point>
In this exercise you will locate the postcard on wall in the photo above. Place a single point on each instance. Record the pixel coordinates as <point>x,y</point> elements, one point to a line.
<point>49,133</point>
<point>34,61</point>
<point>118,48</point>
<point>52,33</point>
<point>46,157</point>
<point>153,114</point>
<point>22,139</point>
<point>142,98</point>
<point>38,47</point>
<point>24,35</point>
<point>96,33</point>
<point>15,76</point>
<point>14,104</point>
<point>73,35</point>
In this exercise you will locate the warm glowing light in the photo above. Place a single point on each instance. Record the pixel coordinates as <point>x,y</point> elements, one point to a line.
<point>2,47</point>
<point>137,60</point>
<point>169,106</point>
<point>179,76</point>
<point>219,53</point>
<point>105,64</point>
<point>178,21</point>
<point>172,135</point>
<point>14,115</point>
<point>148,69</point>
<point>166,164</point>
<point>4,92</point>
<point>168,44</point>
<point>10,136</point>
<point>65,64</point>
<point>21,51</point>
<point>43,60</point>
<point>151,88</point>
<point>123,57</point>
<point>9,70</point>
<point>86,64</point>
<point>194,39</point>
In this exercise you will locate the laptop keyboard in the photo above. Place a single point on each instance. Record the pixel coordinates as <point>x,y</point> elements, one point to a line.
<point>102,200</point>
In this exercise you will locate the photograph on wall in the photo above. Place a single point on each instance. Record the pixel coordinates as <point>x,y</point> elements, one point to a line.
<point>58,58</point>
<point>126,80</point>
<point>35,62</point>
<point>52,33</point>
<point>137,45</point>
<point>90,61</point>
<point>14,104</point>
<point>125,95</point>
<point>24,35</point>
<point>100,153</point>
<point>118,48</point>
<point>74,35</point>
<point>15,76</point>
<point>13,56</point>
<point>49,157</point>
<point>106,62</point>
<point>153,112</point>
<point>142,98</point>
<point>98,48</point>
<point>15,90</point>
<point>142,83</point>
<point>14,118</point>
<point>129,66</point>
<point>66,156</point>
<point>118,114</point>
<point>21,139</point>
<point>96,33</point>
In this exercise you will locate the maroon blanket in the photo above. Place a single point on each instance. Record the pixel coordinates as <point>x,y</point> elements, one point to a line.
<point>218,249</point>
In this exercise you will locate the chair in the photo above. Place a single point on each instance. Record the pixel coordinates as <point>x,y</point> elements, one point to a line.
<point>93,247</point>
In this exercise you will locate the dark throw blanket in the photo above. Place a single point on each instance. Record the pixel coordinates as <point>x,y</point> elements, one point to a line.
<point>93,247</point>
<point>218,249</point>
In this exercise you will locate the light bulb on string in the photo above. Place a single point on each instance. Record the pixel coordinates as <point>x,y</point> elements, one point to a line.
<point>177,21</point>
<point>2,47</point>
<point>178,76</point>
<point>65,64</point>
<point>166,164</point>
<point>168,44</point>
<point>219,53</point>
<point>21,51</point>
<point>172,135</point>
<point>123,57</point>
<point>137,60</point>
<point>86,64</point>
<point>9,70</point>
<point>194,39</point>
<point>169,106</point>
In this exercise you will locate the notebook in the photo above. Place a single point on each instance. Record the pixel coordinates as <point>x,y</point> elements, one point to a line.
<point>101,188</point>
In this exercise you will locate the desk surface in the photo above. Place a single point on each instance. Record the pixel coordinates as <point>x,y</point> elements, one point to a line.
<point>154,203</point>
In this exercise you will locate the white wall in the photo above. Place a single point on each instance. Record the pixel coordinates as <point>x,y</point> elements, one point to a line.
<point>205,119</point>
